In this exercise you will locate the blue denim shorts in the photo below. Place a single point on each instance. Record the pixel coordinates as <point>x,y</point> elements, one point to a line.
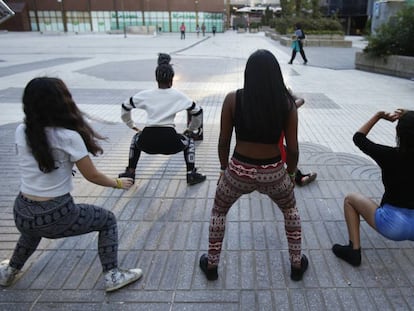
<point>395,223</point>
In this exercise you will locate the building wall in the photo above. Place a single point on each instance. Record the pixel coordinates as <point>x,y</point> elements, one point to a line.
<point>112,15</point>
<point>383,11</point>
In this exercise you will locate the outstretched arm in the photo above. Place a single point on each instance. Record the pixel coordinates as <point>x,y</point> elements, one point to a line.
<point>226,129</point>
<point>126,117</point>
<point>389,116</point>
<point>291,137</point>
<point>89,171</point>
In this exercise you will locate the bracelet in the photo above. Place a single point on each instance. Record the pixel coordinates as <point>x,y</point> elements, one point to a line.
<point>118,183</point>
<point>292,175</point>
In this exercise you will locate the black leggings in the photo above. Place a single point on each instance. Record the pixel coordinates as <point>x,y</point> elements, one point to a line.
<point>161,140</point>
<point>61,217</point>
<point>301,51</point>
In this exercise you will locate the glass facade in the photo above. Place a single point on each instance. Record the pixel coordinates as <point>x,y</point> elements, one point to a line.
<point>104,21</point>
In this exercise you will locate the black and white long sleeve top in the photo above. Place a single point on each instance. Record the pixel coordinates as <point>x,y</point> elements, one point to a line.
<point>161,106</point>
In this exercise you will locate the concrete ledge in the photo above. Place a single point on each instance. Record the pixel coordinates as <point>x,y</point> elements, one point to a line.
<point>338,43</point>
<point>394,65</point>
<point>328,40</point>
<point>273,35</point>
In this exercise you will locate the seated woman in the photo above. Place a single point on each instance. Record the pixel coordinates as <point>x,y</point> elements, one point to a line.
<point>394,216</point>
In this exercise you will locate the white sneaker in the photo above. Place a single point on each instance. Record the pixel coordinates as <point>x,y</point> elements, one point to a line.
<point>117,278</point>
<point>7,273</point>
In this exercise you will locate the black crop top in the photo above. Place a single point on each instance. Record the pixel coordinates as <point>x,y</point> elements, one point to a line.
<point>244,134</point>
<point>397,171</point>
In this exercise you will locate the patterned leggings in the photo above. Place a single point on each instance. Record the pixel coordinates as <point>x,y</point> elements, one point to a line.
<point>242,178</point>
<point>161,140</point>
<point>61,217</point>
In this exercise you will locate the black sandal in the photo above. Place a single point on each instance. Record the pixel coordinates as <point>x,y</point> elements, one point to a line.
<point>304,179</point>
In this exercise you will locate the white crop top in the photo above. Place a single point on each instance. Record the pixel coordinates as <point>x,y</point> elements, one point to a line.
<point>67,148</point>
<point>161,106</point>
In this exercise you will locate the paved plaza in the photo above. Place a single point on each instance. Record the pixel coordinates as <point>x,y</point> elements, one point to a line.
<point>163,223</point>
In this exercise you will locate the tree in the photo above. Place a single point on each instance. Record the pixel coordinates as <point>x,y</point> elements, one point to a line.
<point>395,37</point>
<point>298,7</point>
<point>316,13</point>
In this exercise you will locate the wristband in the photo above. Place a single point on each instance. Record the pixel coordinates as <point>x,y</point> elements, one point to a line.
<point>118,183</point>
<point>292,175</point>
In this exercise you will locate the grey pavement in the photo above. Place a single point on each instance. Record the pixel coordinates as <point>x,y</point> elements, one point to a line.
<point>163,224</point>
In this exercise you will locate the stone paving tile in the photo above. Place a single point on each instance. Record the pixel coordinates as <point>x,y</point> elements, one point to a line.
<point>163,224</point>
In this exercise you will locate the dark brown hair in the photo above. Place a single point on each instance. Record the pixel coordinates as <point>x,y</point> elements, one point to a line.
<point>47,102</point>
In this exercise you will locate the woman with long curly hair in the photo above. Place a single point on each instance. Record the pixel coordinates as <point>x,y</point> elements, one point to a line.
<point>54,137</point>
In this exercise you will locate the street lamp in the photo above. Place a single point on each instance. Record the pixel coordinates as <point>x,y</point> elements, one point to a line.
<point>64,20</point>
<point>123,15</point>
<point>196,10</point>
<point>149,15</point>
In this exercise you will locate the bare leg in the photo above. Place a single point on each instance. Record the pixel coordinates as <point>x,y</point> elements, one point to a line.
<point>356,204</point>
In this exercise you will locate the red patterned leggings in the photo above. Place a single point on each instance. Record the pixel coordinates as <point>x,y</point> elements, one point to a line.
<point>242,178</point>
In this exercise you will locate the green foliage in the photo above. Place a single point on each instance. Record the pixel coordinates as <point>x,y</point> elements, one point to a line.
<point>286,25</point>
<point>395,37</point>
<point>267,17</point>
<point>367,29</point>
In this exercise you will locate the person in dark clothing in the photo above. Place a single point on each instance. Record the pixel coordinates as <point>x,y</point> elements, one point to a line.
<point>394,216</point>
<point>300,35</point>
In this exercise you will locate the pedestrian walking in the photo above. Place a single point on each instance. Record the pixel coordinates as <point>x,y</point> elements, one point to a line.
<point>182,31</point>
<point>203,29</point>
<point>300,36</point>
<point>198,30</point>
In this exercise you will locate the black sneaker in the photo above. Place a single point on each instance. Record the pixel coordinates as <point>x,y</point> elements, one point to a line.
<point>348,253</point>
<point>129,173</point>
<point>195,178</point>
<point>211,274</point>
<point>296,274</point>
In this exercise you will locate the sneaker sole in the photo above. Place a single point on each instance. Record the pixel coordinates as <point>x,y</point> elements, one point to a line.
<point>192,183</point>
<point>16,277</point>
<point>136,278</point>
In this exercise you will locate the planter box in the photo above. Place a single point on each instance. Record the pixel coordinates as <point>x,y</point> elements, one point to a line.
<point>394,65</point>
<point>337,43</point>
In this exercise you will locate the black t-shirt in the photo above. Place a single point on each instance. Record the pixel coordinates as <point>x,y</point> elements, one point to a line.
<point>397,171</point>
